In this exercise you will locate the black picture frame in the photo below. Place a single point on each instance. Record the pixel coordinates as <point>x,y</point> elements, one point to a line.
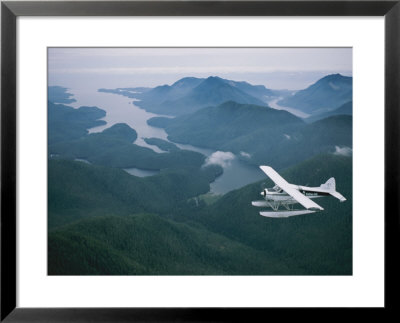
<point>10,10</point>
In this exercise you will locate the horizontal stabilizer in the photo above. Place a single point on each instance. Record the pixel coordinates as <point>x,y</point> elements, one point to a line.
<point>285,214</point>
<point>339,196</point>
<point>260,203</point>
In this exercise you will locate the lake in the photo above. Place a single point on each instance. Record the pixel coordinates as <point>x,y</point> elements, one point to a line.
<point>121,109</point>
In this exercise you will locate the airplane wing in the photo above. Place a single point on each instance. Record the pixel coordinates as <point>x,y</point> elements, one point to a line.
<point>287,187</point>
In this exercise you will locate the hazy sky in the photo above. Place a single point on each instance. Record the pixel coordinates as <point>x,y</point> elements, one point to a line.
<point>276,68</point>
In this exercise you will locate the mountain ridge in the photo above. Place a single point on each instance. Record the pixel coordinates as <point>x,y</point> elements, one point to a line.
<point>189,94</point>
<point>267,135</point>
<point>328,93</point>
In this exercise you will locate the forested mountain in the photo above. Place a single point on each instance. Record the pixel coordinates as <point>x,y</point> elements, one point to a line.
<point>78,189</point>
<point>212,91</point>
<point>322,136</point>
<point>269,136</point>
<point>147,244</point>
<point>346,109</point>
<point>67,123</point>
<point>326,94</point>
<point>190,94</point>
<point>258,91</point>
<point>114,147</point>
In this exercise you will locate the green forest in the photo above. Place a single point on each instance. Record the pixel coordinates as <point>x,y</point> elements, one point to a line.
<point>105,221</point>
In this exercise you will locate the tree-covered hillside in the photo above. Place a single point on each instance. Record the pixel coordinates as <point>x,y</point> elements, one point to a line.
<point>77,189</point>
<point>66,123</point>
<point>114,147</point>
<point>346,109</point>
<point>146,244</point>
<point>267,136</point>
<point>100,224</point>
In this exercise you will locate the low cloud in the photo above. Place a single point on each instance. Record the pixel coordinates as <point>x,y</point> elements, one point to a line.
<point>221,158</point>
<point>244,154</point>
<point>343,151</point>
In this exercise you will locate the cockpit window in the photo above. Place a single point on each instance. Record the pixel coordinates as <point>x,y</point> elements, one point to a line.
<point>277,189</point>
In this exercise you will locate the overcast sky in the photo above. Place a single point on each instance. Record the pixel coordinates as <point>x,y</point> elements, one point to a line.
<point>276,68</point>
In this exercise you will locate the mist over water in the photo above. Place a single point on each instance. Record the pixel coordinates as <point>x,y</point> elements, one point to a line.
<point>274,104</point>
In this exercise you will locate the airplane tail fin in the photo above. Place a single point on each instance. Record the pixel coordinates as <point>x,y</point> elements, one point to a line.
<point>329,185</point>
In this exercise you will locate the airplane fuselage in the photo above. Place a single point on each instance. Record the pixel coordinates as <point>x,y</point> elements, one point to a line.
<point>283,197</point>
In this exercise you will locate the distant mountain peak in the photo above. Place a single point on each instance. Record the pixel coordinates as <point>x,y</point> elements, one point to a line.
<point>186,81</point>
<point>328,93</point>
<point>214,80</point>
<point>334,77</point>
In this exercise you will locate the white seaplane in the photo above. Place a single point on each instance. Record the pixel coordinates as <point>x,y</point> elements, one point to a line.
<point>286,195</point>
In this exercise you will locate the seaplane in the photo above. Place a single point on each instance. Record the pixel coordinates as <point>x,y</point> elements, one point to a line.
<point>285,195</point>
